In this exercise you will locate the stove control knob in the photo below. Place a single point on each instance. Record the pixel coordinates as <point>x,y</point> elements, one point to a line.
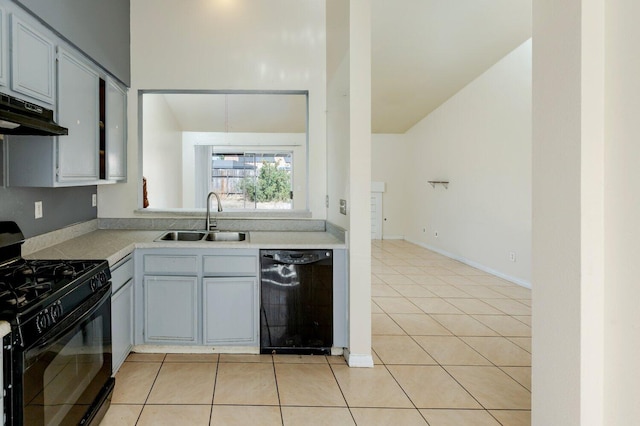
<point>98,281</point>
<point>56,311</point>
<point>95,283</point>
<point>43,321</point>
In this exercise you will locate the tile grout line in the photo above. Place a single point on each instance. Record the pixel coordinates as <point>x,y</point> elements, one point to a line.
<point>452,333</point>
<point>342,393</point>
<point>458,337</point>
<point>444,369</point>
<point>215,384</point>
<point>275,378</point>
<point>144,404</point>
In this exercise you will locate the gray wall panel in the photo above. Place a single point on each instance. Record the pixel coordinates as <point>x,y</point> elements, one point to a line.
<point>99,28</point>
<point>61,207</point>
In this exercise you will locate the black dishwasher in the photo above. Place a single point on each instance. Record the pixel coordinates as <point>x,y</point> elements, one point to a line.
<point>296,309</point>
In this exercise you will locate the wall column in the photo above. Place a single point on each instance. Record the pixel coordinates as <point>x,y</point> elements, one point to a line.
<point>360,184</point>
<point>568,212</point>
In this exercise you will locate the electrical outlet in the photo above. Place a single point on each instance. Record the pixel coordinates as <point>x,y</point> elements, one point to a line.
<point>512,256</point>
<point>424,229</point>
<point>38,209</point>
<point>436,234</point>
<point>343,207</point>
<point>94,200</point>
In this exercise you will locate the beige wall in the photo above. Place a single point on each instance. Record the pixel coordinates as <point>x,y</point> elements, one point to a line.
<point>220,45</point>
<point>622,212</point>
<point>164,188</point>
<point>338,127</point>
<point>568,216</point>
<point>389,157</point>
<point>479,141</point>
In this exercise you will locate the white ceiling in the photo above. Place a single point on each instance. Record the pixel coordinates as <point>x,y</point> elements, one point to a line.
<point>423,52</point>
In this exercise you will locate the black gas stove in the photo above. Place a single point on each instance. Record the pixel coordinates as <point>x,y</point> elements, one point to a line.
<point>25,282</point>
<point>36,294</point>
<point>57,359</point>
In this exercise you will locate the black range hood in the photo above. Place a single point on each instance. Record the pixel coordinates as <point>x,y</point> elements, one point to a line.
<point>19,117</point>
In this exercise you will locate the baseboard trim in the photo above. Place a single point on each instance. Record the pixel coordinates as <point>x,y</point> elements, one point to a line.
<point>393,237</point>
<point>358,360</point>
<point>518,281</point>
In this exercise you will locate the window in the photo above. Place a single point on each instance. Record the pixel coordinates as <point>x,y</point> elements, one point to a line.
<point>252,180</point>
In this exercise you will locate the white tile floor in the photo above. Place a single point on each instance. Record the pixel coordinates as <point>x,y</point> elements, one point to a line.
<point>451,344</point>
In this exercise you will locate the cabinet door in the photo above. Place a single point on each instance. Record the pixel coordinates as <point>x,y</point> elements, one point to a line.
<point>122,324</point>
<point>33,60</point>
<point>79,111</point>
<point>230,311</point>
<point>1,387</point>
<point>4,50</point>
<point>116,131</point>
<point>170,309</point>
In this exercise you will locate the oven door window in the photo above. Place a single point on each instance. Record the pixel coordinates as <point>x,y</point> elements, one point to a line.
<point>65,374</point>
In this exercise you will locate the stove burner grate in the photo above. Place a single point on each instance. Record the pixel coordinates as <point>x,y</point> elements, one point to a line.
<point>25,281</point>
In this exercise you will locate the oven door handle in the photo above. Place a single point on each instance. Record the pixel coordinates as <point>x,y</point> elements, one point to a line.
<point>95,302</point>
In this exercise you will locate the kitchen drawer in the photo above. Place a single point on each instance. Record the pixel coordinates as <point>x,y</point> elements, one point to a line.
<point>121,273</point>
<point>230,265</point>
<point>170,264</point>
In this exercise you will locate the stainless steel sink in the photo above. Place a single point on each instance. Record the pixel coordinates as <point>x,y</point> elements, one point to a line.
<point>182,236</point>
<point>226,236</point>
<point>204,236</point>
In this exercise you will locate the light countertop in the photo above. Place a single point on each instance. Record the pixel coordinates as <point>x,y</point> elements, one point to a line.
<point>5,328</point>
<point>113,245</point>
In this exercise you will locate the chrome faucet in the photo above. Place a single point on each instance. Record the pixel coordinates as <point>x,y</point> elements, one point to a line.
<point>215,222</point>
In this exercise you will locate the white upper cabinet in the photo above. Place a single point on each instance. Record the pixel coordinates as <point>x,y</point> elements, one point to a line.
<point>32,62</point>
<point>37,65</point>
<point>79,111</point>
<point>116,131</point>
<point>4,48</point>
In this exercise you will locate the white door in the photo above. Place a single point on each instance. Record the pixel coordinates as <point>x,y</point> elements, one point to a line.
<point>376,215</point>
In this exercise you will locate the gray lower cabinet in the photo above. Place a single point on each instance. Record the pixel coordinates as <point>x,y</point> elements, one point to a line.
<point>170,309</point>
<point>197,297</point>
<point>122,324</point>
<point>230,311</point>
<point>121,311</point>
<point>2,419</point>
